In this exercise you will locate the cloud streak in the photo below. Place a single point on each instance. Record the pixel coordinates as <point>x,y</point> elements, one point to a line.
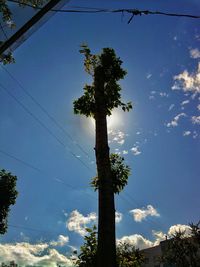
<point>135,150</point>
<point>116,137</point>
<point>26,254</point>
<point>62,241</point>
<point>196,120</point>
<point>188,82</point>
<point>141,214</point>
<point>195,53</point>
<point>141,242</point>
<point>174,122</point>
<point>77,222</point>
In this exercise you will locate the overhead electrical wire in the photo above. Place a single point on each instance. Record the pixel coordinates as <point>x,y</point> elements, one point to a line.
<point>35,168</point>
<point>3,31</point>
<point>135,203</point>
<point>58,180</point>
<point>29,165</point>
<point>30,228</point>
<point>133,12</point>
<point>44,126</point>
<point>44,110</point>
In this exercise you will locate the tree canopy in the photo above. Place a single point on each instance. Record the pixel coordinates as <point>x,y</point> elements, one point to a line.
<point>8,194</point>
<point>107,68</point>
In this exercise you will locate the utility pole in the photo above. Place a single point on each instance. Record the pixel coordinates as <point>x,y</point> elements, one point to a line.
<point>28,25</point>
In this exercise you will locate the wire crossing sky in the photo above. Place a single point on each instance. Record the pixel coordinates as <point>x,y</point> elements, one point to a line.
<point>52,151</point>
<point>134,12</point>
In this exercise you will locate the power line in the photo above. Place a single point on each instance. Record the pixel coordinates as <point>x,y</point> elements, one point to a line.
<point>133,12</point>
<point>149,222</point>
<point>44,110</point>
<point>30,228</point>
<point>34,168</point>
<point>43,125</point>
<point>58,180</point>
<point>3,31</point>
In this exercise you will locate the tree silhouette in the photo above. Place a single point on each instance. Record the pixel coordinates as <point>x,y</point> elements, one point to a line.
<point>8,194</point>
<point>127,254</point>
<point>182,250</point>
<point>11,264</point>
<point>98,101</point>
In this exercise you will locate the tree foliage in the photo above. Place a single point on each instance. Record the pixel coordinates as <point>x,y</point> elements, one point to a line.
<point>88,255</point>
<point>7,13</point>
<point>127,254</point>
<point>11,264</point>
<point>107,68</point>
<point>8,194</point>
<point>182,250</point>
<point>120,173</point>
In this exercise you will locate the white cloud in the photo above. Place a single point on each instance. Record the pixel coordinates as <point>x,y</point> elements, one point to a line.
<point>136,240</point>
<point>148,75</point>
<point>195,53</point>
<point>159,236</point>
<point>179,228</point>
<point>62,240</point>
<point>197,37</point>
<point>196,119</point>
<point>188,82</point>
<point>78,222</point>
<point>121,142</point>
<point>186,133</point>
<point>163,94</point>
<point>171,107</point>
<point>136,151</point>
<point>175,120</point>
<point>185,102</point>
<point>141,214</point>
<point>125,152</point>
<point>117,137</point>
<point>141,242</point>
<point>26,254</point>
<point>154,93</point>
<point>198,107</point>
<point>195,135</point>
<point>118,217</point>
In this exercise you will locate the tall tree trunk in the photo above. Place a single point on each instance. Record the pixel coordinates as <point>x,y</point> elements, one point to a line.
<point>106,252</point>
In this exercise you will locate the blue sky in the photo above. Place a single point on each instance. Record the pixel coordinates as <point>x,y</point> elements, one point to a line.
<point>159,138</point>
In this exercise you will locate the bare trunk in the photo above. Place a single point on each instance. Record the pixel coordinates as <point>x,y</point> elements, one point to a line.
<point>106,217</point>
